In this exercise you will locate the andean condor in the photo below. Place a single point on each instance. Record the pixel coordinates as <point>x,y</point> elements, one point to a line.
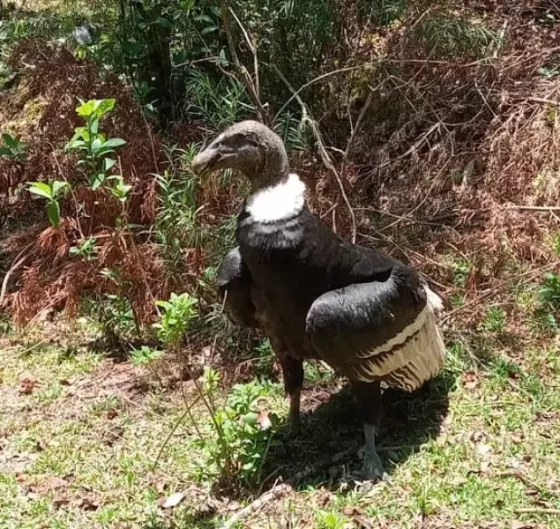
<point>315,295</point>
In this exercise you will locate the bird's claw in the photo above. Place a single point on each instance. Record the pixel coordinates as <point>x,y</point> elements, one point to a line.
<point>373,471</point>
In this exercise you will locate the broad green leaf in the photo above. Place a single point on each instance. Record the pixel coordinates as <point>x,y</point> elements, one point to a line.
<point>94,126</point>
<point>116,177</point>
<point>97,181</point>
<point>58,186</point>
<point>85,110</point>
<point>104,106</point>
<point>53,211</point>
<point>4,151</point>
<point>250,418</point>
<point>203,18</point>
<point>164,22</point>
<point>113,143</point>
<point>9,140</point>
<point>108,164</point>
<point>76,145</point>
<point>41,189</point>
<point>209,29</point>
<point>96,146</point>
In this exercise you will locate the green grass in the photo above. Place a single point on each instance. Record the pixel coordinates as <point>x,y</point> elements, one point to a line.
<point>475,448</point>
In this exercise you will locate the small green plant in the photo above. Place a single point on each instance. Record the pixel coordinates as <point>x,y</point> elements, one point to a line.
<point>145,355</point>
<point>52,192</point>
<point>178,314</point>
<point>450,36</point>
<point>263,357</point>
<point>549,72</point>
<point>87,249</point>
<point>383,12</point>
<point>176,228</point>
<point>96,148</point>
<point>549,292</point>
<point>462,271</point>
<point>548,307</point>
<point>245,431</point>
<point>220,103</point>
<point>115,311</point>
<point>13,148</point>
<point>330,520</point>
<point>504,369</point>
<point>494,320</point>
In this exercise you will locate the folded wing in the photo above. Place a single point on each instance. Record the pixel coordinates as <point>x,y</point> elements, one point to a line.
<point>234,284</point>
<point>381,330</point>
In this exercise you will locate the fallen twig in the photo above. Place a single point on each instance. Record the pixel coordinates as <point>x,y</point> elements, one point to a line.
<point>524,479</point>
<point>174,429</point>
<point>358,125</point>
<point>282,489</point>
<point>274,493</point>
<point>551,512</point>
<point>19,260</point>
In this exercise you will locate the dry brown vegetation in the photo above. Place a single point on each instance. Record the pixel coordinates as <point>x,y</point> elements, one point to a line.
<point>454,157</point>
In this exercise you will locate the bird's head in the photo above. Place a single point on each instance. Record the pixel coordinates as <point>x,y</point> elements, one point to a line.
<point>249,147</point>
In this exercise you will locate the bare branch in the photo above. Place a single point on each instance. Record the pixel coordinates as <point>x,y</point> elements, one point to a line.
<point>356,128</point>
<point>285,488</point>
<point>267,497</point>
<point>253,51</point>
<point>325,157</point>
<point>243,74</point>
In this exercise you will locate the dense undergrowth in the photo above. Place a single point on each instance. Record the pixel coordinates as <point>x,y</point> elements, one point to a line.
<point>428,129</point>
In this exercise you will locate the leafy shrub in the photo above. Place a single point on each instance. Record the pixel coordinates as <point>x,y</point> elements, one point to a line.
<point>96,148</point>
<point>494,320</point>
<point>52,192</point>
<point>244,432</point>
<point>145,355</point>
<point>549,292</point>
<point>219,102</point>
<point>450,37</point>
<point>178,314</point>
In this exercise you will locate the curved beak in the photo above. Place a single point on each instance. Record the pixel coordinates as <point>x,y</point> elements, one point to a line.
<point>211,159</point>
<point>204,160</point>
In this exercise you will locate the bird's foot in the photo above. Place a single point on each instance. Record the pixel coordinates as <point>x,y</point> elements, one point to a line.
<point>372,469</point>
<point>372,473</point>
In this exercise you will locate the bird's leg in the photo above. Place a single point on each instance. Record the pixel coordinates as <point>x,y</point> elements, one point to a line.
<point>294,415</point>
<point>369,402</point>
<point>373,468</point>
<point>293,380</point>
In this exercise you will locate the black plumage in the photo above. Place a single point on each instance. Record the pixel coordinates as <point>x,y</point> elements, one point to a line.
<point>234,284</point>
<point>315,295</point>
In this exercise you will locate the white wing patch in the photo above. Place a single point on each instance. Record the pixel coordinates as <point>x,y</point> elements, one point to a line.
<point>279,202</point>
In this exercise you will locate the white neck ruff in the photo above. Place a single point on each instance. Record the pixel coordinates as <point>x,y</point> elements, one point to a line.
<point>278,202</point>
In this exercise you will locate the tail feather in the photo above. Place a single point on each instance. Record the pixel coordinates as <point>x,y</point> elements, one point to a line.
<point>412,363</point>
<point>433,299</point>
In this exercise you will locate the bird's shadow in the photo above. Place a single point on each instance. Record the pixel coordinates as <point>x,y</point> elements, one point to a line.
<point>410,420</point>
